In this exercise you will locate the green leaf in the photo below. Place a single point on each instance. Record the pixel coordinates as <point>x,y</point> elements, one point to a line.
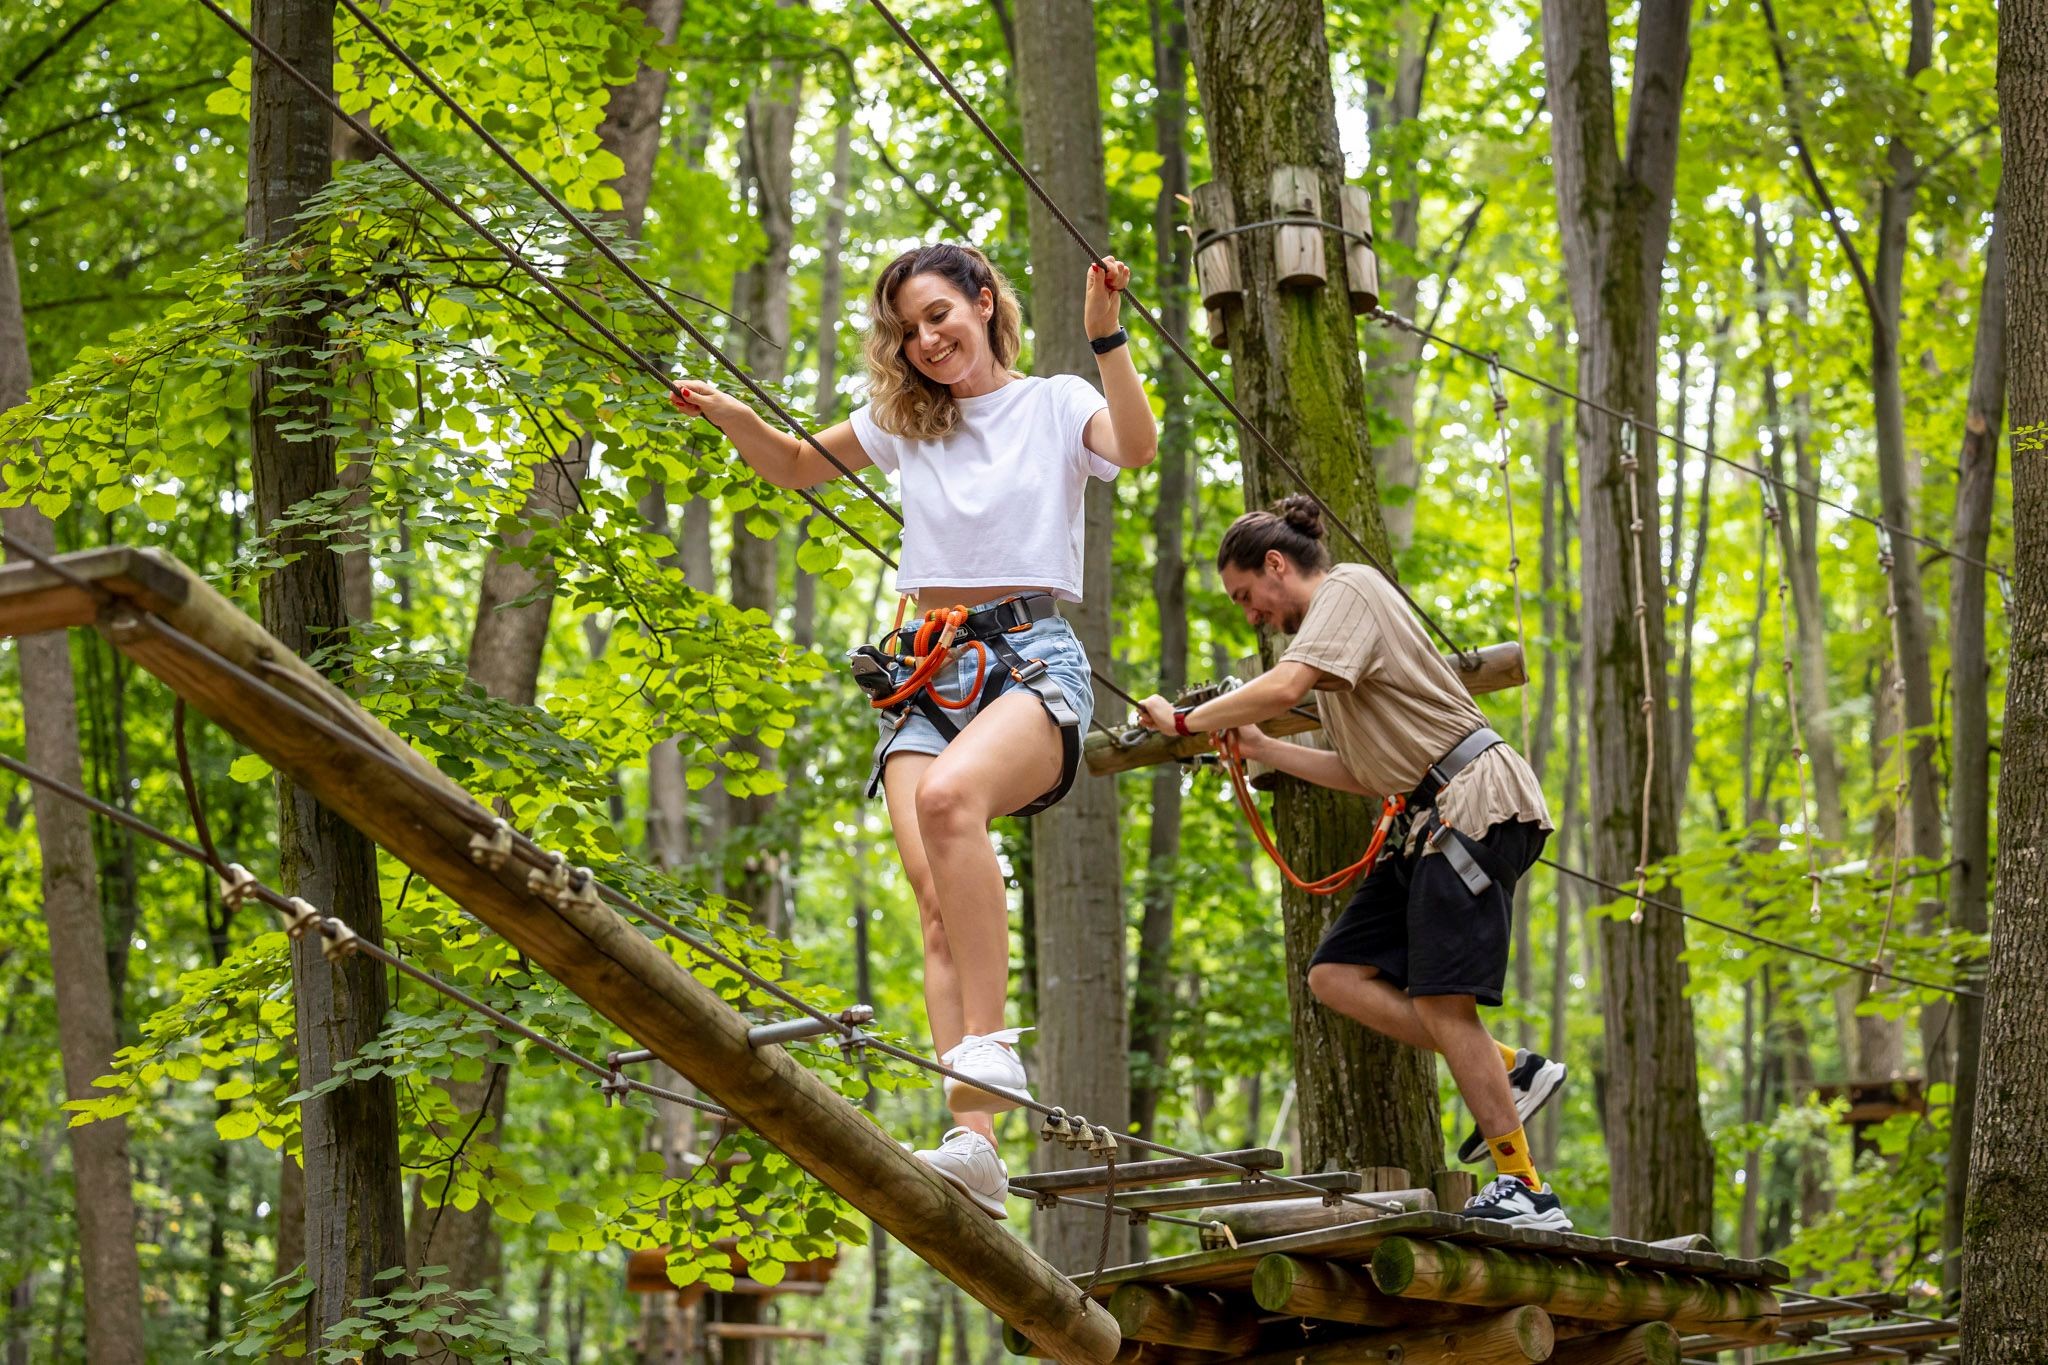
<point>249,768</point>
<point>239,1124</point>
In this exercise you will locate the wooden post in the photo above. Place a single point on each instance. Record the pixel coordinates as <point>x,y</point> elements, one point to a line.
<point>1361,265</point>
<point>1453,1189</point>
<point>1298,251</point>
<point>1493,668</point>
<point>1514,1337</point>
<point>1216,261</point>
<point>1490,1277</point>
<point>1311,1288</point>
<point>1653,1343</point>
<point>1202,1322</point>
<point>426,821</point>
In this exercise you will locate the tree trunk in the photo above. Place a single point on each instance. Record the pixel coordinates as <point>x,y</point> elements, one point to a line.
<point>1615,212</point>
<point>754,870</point>
<point>1152,998</point>
<point>1799,545</point>
<point>505,650</point>
<point>831,266</point>
<point>1083,1015</point>
<point>354,1205</point>
<point>1559,665</point>
<point>86,1032</point>
<point>1395,358</point>
<point>1364,1100</point>
<point>2005,1239</point>
<point>1970,779</point>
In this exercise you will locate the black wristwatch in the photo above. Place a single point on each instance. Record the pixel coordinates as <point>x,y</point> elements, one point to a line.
<point>1104,345</point>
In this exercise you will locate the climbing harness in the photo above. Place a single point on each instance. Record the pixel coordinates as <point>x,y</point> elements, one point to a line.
<point>1392,810</point>
<point>902,671</point>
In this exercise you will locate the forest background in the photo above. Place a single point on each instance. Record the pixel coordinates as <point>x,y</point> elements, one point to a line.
<point>583,607</point>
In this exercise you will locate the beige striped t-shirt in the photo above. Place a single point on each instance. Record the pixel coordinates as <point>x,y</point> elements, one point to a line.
<point>1391,705</point>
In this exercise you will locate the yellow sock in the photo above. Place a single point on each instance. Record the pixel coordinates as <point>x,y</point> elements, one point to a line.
<point>1507,1055</point>
<point>1511,1157</point>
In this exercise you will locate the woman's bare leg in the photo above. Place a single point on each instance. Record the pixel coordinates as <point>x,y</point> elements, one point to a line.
<point>1007,756</point>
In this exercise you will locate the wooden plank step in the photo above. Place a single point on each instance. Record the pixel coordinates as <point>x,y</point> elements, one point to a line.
<point>1094,1179</point>
<point>32,599</point>
<point>1239,1192</point>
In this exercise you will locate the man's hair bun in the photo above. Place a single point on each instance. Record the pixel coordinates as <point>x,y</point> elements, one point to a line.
<point>1302,514</point>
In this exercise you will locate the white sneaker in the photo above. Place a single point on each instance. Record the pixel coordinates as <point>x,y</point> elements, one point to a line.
<point>969,1163</point>
<point>990,1060</point>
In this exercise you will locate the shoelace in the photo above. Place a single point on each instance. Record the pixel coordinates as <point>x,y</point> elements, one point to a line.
<point>975,1043</point>
<point>1499,1188</point>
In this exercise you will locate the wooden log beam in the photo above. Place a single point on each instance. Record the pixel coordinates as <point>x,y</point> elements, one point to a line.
<point>1223,1193</point>
<point>1130,1353</point>
<point>1493,669</point>
<point>1514,1337</point>
<point>1302,1286</point>
<point>1201,1322</point>
<point>1649,1343</point>
<point>1490,1277</point>
<point>1256,1222</point>
<point>762,1331</point>
<point>32,599</point>
<point>424,819</point>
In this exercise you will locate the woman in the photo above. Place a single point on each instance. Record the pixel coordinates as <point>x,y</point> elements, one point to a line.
<point>993,466</point>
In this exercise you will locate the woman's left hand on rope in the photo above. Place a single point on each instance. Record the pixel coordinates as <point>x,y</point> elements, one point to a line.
<point>1105,298</point>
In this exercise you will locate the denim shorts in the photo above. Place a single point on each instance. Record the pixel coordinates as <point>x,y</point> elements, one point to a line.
<point>1051,640</point>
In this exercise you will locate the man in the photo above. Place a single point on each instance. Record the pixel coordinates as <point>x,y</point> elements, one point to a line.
<point>1424,940</point>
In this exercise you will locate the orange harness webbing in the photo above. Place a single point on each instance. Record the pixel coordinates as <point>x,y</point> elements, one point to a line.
<point>928,656</point>
<point>1390,810</point>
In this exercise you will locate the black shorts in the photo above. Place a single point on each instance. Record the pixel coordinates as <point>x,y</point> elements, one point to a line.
<point>1416,920</point>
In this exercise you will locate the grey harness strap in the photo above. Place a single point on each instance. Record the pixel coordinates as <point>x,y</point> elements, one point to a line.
<point>1434,830</point>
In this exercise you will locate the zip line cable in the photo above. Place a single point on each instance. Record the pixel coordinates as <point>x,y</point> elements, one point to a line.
<point>1159,328</point>
<point>300,918</point>
<point>605,248</point>
<point>512,254</point>
<point>1389,318</point>
<point>569,216</point>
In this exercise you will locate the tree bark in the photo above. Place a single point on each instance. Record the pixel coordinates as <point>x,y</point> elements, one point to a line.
<point>1082,1011</point>
<point>1152,999</point>
<point>354,1206</point>
<point>753,867</point>
<point>2005,1240</point>
<point>1396,357</point>
<point>86,1032</point>
<point>1969,800</point>
<point>1614,209</point>
<point>1363,1100</point>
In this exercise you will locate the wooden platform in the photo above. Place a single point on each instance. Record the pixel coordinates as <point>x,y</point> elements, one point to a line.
<point>1435,1287</point>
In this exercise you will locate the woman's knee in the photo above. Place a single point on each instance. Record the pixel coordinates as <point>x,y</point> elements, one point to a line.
<point>948,806</point>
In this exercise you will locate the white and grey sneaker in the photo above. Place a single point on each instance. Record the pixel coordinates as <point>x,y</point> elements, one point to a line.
<point>969,1163</point>
<point>1508,1199</point>
<point>988,1059</point>
<point>1534,1080</point>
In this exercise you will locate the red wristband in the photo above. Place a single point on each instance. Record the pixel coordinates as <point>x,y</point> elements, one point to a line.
<point>1180,723</point>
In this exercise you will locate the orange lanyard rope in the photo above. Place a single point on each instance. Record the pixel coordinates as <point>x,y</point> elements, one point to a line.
<point>1390,810</point>
<point>930,655</point>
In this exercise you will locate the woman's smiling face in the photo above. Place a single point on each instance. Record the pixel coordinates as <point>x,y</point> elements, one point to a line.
<point>945,334</point>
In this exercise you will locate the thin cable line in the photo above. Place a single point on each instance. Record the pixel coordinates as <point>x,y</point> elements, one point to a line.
<point>284,906</point>
<point>1159,328</point>
<point>1390,318</point>
<point>596,239</point>
<point>511,254</point>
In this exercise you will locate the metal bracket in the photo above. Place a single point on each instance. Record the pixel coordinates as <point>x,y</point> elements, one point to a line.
<point>793,1030</point>
<point>493,850</point>
<point>304,918</point>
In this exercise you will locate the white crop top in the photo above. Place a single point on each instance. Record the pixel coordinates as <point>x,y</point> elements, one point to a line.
<point>998,502</point>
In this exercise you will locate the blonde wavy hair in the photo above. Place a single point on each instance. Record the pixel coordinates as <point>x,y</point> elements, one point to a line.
<point>905,403</point>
